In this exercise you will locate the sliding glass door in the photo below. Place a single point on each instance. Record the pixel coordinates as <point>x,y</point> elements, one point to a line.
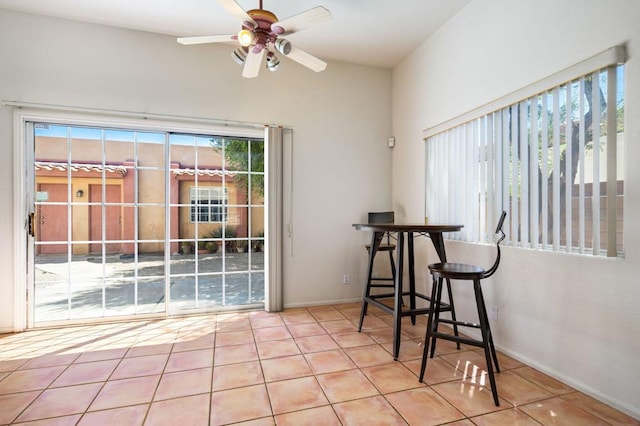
<point>130,222</point>
<point>217,221</point>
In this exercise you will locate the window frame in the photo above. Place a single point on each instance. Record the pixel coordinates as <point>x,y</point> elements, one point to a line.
<point>221,206</point>
<point>501,169</point>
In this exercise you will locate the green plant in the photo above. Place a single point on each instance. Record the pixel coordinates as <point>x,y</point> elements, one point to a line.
<point>258,241</point>
<point>186,247</point>
<point>230,232</point>
<point>216,233</point>
<point>245,156</point>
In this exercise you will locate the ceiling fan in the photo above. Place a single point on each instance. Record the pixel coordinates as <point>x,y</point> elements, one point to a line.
<point>260,37</point>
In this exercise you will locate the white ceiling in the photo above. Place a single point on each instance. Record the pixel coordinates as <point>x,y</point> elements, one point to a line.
<point>368,32</point>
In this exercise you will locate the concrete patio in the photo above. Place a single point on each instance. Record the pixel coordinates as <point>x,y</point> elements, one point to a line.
<point>87,287</point>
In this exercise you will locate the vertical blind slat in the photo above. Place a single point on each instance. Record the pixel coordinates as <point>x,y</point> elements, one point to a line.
<point>544,199</point>
<point>514,172</point>
<point>489,190</point>
<point>523,173</point>
<point>533,174</point>
<point>581,189</point>
<point>612,172</point>
<point>568,165</point>
<point>482,181</point>
<point>556,168</point>
<point>595,199</point>
<point>505,170</point>
<point>473,186</point>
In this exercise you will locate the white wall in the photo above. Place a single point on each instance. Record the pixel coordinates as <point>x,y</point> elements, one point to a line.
<point>341,120</point>
<point>575,317</point>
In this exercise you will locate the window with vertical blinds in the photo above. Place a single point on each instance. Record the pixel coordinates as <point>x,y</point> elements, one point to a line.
<point>550,156</point>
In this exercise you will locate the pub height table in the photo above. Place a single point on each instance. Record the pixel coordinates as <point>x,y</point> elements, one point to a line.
<point>434,231</point>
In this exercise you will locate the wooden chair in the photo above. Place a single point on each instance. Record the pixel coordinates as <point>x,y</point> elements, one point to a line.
<point>460,271</point>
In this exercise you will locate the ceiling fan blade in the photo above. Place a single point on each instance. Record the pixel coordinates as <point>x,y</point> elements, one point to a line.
<point>206,39</point>
<point>306,59</point>
<point>311,17</point>
<point>253,63</point>
<point>235,9</point>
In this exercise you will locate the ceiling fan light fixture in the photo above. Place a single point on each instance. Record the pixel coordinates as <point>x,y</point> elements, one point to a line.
<point>245,37</point>
<point>239,55</point>
<point>283,46</point>
<point>272,62</point>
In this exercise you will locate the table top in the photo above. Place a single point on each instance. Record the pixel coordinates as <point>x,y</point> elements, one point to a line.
<point>407,227</point>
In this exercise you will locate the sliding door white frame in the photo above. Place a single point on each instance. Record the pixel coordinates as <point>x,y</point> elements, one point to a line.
<point>23,150</point>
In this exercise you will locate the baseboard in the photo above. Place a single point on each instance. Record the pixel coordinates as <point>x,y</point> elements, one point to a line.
<point>324,302</point>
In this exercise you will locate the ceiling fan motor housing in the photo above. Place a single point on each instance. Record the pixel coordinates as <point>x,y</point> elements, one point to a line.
<point>262,32</point>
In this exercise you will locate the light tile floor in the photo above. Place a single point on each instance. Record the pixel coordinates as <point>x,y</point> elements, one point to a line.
<point>304,366</point>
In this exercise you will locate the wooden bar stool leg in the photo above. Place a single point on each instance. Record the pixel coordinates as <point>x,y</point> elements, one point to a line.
<point>491,346</point>
<point>393,270</point>
<point>436,316</point>
<point>412,278</point>
<point>425,350</point>
<point>397,306</point>
<point>453,311</point>
<point>367,287</point>
<point>486,336</point>
<point>393,266</point>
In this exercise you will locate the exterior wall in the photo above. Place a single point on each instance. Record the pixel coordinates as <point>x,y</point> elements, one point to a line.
<point>151,220</point>
<point>574,317</point>
<point>79,212</point>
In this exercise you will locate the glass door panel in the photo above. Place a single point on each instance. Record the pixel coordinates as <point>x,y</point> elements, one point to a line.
<point>96,255</point>
<point>212,210</point>
<point>123,229</point>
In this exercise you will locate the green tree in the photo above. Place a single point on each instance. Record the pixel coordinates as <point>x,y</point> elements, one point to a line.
<point>246,157</point>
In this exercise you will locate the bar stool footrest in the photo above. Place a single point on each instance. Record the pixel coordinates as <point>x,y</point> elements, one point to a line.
<point>458,339</point>
<point>381,296</point>
<point>459,323</point>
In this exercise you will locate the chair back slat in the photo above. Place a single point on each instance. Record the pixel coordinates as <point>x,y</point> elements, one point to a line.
<point>381,217</point>
<point>499,230</point>
<point>503,216</point>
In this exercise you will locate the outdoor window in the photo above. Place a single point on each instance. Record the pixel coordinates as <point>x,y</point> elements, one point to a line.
<point>208,205</point>
<point>553,159</point>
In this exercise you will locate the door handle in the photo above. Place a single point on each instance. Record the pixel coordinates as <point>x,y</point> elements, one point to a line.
<point>31,230</point>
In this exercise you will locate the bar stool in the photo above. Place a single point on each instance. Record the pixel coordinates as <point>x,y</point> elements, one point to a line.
<point>459,271</point>
<point>385,244</point>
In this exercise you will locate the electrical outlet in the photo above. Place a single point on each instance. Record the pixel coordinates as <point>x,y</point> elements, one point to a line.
<point>493,313</point>
<point>346,279</point>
